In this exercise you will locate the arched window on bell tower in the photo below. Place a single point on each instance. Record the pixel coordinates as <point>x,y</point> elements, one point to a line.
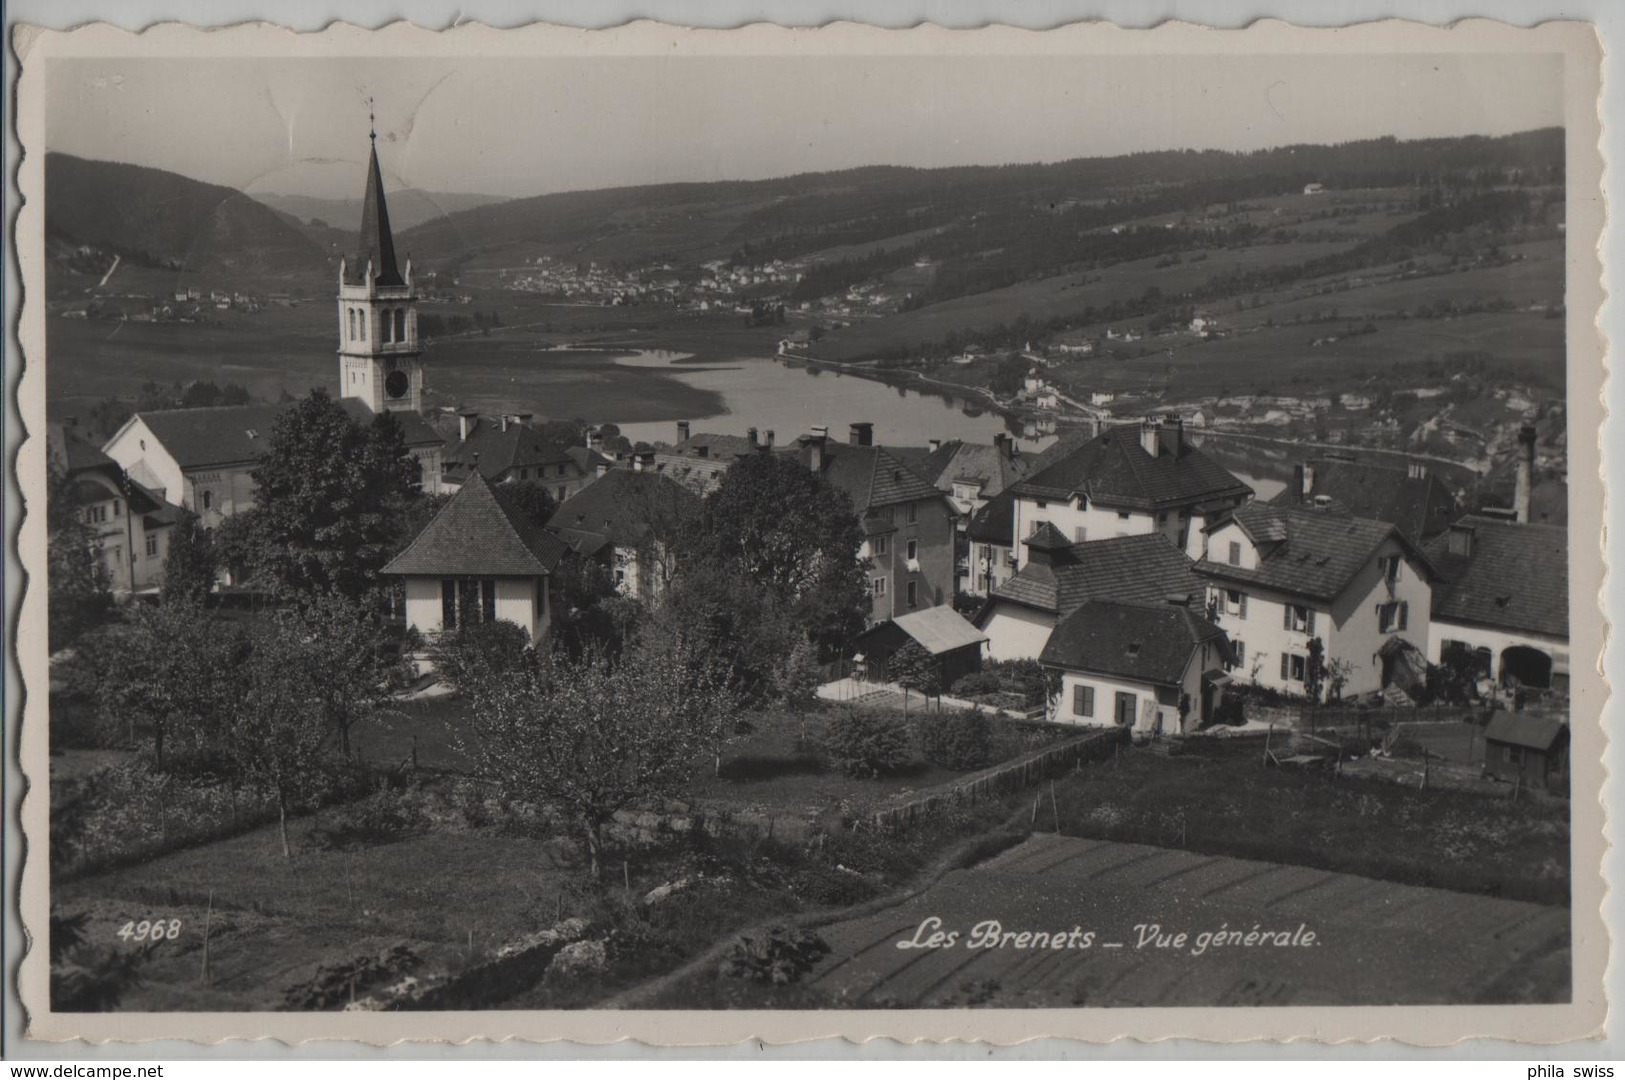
<point>400,324</point>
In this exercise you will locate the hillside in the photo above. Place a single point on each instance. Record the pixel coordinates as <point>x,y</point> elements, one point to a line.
<point>161,220</point>
<point>1006,220</point>
<point>408,207</point>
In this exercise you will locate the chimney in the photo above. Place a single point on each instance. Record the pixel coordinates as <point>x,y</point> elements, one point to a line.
<point>751,434</point>
<point>1322,502</point>
<point>1415,470</point>
<point>1002,443</point>
<point>862,435</point>
<point>524,418</point>
<point>1151,435</point>
<point>1526,473</point>
<point>602,468</point>
<point>1460,541</point>
<point>767,439</point>
<point>505,419</point>
<point>1300,481</point>
<point>935,444</point>
<point>643,460</point>
<point>682,431</point>
<point>1172,436</point>
<point>465,424</point>
<point>816,442</point>
<point>595,439</point>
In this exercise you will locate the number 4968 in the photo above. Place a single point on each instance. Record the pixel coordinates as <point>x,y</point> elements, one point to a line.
<point>150,930</point>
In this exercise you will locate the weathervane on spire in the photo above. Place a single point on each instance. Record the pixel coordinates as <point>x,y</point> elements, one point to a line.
<point>372,121</point>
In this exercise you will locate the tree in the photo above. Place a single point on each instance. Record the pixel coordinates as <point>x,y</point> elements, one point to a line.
<point>327,491</point>
<point>1314,676</point>
<point>788,531</point>
<point>192,563</point>
<point>912,668</point>
<point>591,737</point>
<point>277,733</point>
<point>351,658</point>
<point>529,499</point>
<point>166,671</point>
<point>80,587</point>
<point>796,681</point>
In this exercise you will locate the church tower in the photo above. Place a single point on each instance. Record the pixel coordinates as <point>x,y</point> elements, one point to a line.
<point>380,361</point>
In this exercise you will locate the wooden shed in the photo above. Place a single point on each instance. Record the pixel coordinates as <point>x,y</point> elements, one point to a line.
<point>1531,747</point>
<point>951,639</point>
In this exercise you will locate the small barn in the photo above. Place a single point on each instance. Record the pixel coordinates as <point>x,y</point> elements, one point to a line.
<point>1531,747</point>
<point>951,639</point>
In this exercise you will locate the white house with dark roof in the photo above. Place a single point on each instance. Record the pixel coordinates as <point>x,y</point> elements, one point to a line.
<point>477,561</point>
<point>1157,668</point>
<point>1281,576</point>
<point>1502,603</point>
<point>1058,576</point>
<point>1126,481</point>
<point>628,519</point>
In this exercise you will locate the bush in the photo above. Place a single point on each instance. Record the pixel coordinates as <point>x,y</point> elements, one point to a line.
<point>473,655</point>
<point>960,741</point>
<point>867,744</point>
<point>778,956</point>
<point>1024,677</point>
<point>389,815</point>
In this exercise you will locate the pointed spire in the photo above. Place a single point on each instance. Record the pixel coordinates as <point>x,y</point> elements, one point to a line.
<point>377,242</point>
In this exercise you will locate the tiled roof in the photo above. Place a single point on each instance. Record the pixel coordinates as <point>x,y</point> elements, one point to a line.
<point>994,523</point>
<point>1145,642</point>
<point>618,508</point>
<point>1421,506</point>
<point>1311,553</point>
<point>475,535</point>
<point>1517,577</point>
<point>239,434</point>
<point>1537,731</point>
<point>961,461</point>
<point>711,447</point>
<point>1140,568</point>
<point>71,453</point>
<point>1115,470</point>
<point>873,477</point>
<point>499,450</point>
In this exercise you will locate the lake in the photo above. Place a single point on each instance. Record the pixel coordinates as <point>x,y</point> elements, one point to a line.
<point>770,395</point>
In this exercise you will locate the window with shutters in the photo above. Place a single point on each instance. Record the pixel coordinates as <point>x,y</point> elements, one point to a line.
<point>1391,567</point>
<point>1235,603</point>
<point>914,594</point>
<point>882,545</point>
<point>1235,553</point>
<point>879,586</point>
<point>1239,647</point>
<point>1298,617</point>
<point>1080,534</point>
<point>1126,704</point>
<point>1392,617</point>
<point>1083,701</point>
<point>1293,667</point>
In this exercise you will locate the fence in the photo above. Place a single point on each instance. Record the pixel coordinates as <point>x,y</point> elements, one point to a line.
<point>1006,778</point>
<point>1313,718</point>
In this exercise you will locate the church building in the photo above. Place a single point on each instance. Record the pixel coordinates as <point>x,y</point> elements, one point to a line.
<point>203,459</point>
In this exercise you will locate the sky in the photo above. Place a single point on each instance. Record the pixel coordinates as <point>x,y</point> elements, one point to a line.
<point>516,127</point>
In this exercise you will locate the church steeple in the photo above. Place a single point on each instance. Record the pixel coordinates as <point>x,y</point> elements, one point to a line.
<point>377,242</point>
<point>380,360</point>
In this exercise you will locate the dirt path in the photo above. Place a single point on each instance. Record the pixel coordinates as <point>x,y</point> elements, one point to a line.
<point>1333,939</point>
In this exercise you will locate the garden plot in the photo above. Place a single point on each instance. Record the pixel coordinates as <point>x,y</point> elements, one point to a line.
<point>1322,938</point>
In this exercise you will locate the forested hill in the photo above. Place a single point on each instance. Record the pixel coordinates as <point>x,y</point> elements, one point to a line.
<point>809,213</point>
<point>162,219</point>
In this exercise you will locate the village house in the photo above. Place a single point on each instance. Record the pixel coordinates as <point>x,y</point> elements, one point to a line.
<point>478,562</point>
<point>628,519</point>
<point>202,458</point>
<point>954,645</point>
<point>132,524</point>
<point>1058,576</point>
<point>1157,668</point>
<point>508,449</point>
<point>699,461</point>
<point>908,525</point>
<point>1282,576</point>
<point>1501,607</point>
<point>1128,480</point>
<point>1413,498</point>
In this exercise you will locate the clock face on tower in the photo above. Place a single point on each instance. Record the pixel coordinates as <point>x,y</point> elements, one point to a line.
<point>396,384</point>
